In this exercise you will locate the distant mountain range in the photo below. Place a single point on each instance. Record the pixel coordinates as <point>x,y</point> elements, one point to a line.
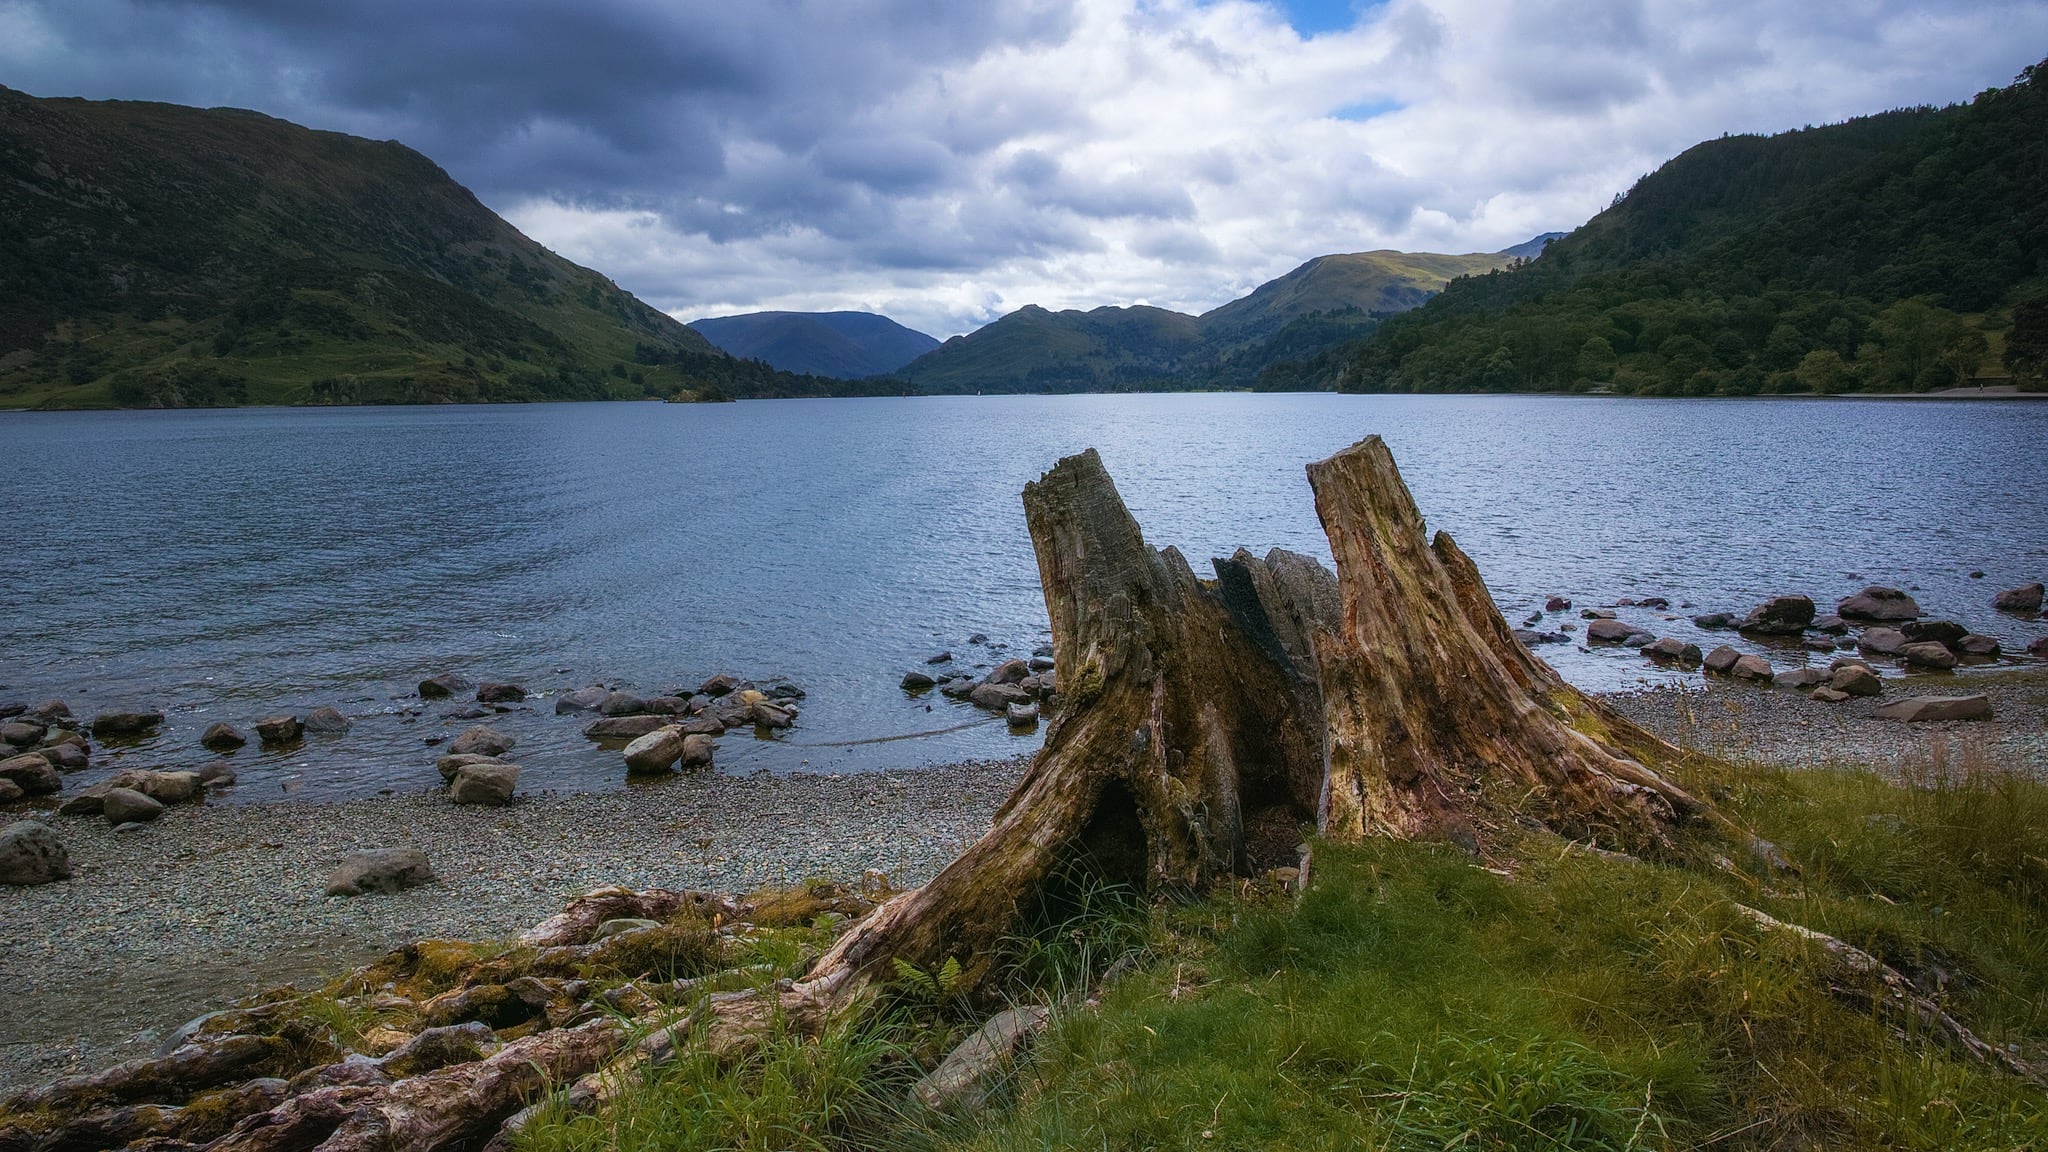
<point>1325,302</point>
<point>153,255</point>
<point>843,345</point>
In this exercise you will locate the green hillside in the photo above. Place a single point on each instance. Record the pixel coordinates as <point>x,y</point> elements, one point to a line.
<point>1247,342</point>
<point>1904,251</point>
<point>153,255</point>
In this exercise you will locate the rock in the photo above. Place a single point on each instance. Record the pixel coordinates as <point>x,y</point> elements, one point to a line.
<point>489,784</point>
<point>1638,640</point>
<point>1751,667</point>
<point>1929,655</point>
<point>51,711</point>
<point>960,1082</point>
<point>698,750</point>
<point>1714,620</point>
<point>32,774</point>
<point>455,762</point>
<point>278,729</point>
<point>1607,630</point>
<point>127,806</point>
<point>1557,604</point>
<point>784,690</point>
<point>1657,602</point>
<point>119,725</point>
<point>997,697</point>
<point>1827,695</point>
<point>1800,678</point>
<point>772,715</point>
<point>1022,715</point>
<point>1008,672</point>
<point>31,854</point>
<point>163,787</point>
<point>703,726</point>
<point>384,870</point>
<point>1833,625</point>
<point>917,682</point>
<point>2038,647</point>
<point>1943,632</point>
<point>1596,614</point>
<point>443,686</point>
<point>222,737</point>
<point>22,733</point>
<point>622,704</point>
<point>1855,680</point>
<point>499,692</point>
<point>959,688</point>
<point>1881,642</point>
<point>1978,646</point>
<point>2027,599</point>
<point>1818,644</point>
<point>667,705</point>
<point>1878,603</point>
<point>1722,659</point>
<point>624,727</point>
<point>469,712</point>
<point>1920,709</point>
<point>613,927</point>
<point>65,757</point>
<point>87,801</point>
<point>655,752</point>
<point>12,708</point>
<point>1041,664</point>
<point>581,700</point>
<point>1531,639</point>
<point>219,774</point>
<point>482,740</point>
<point>326,721</point>
<point>1779,616</point>
<point>978,638</point>
<point>719,685</point>
<point>10,792</point>
<point>941,658</point>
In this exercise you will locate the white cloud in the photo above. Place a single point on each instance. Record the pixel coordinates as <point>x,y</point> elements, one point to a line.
<point>945,163</point>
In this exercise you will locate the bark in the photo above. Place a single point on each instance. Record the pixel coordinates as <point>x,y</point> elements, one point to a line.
<point>1185,749</point>
<point>1439,722</point>
<point>577,923</point>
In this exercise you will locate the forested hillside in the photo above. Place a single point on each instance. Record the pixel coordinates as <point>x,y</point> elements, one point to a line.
<point>1903,251</point>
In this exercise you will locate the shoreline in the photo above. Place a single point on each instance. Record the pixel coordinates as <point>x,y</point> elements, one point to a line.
<point>214,903</point>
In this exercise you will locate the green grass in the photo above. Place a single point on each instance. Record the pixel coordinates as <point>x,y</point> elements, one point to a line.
<point>1416,999</point>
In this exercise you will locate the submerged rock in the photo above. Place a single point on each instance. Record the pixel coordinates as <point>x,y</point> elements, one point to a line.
<point>1945,632</point>
<point>1882,642</point>
<point>1929,655</point>
<point>327,721</point>
<point>1878,603</point>
<point>125,724</point>
<point>1779,616</point>
<point>443,686</point>
<point>497,692</point>
<point>917,682</point>
<point>2023,599</point>
<point>278,729</point>
<point>482,740</point>
<point>222,737</point>
<point>581,700</point>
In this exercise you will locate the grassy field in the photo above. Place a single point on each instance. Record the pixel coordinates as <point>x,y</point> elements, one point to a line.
<point>1417,998</point>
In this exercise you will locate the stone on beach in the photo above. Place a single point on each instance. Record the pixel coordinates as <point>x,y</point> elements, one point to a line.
<point>2023,599</point>
<point>1800,678</point>
<point>219,774</point>
<point>1827,695</point>
<point>1855,680</point>
<point>278,729</point>
<point>698,749</point>
<point>1751,667</point>
<point>1979,646</point>
<point>32,774</point>
<point>488,783</point>
<point>385,870</point>
<point>22,733</point>
<point>1929,655</point>
<point>455,762</point>
<point>163,787</point>
<point>125,724</point>
<point>443,686</point>
<point>126,806</point>
<point>221,736</point>
<point>1882,642</point>
<point>1722,659</point>
<point>1878,603</point>
<point>65,757</point>
<point>1022,715</point>
<point>1008,672</point>
<point>1921,709</point>
<point>655,752</point>
<point>624,727</point>
<point>1779,616</point>
<point>769,715</point>
<point>482,740</point>
<point>997,697</point>
<point>31,854</point>
<point>719,685</point>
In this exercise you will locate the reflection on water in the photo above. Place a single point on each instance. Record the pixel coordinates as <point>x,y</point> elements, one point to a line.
<point>232,564</point>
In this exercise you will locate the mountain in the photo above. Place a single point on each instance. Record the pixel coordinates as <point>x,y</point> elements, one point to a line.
<point>1533,247</point>
<point>1901,251</point>
<point>844,345</point>
<point>1324,302</point>
<point>157,255</point>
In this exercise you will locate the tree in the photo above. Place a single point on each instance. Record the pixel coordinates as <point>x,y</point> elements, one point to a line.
<point>1823,371</point>
<point>2026,344</point>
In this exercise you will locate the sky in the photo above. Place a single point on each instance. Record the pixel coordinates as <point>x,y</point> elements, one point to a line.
<point>947,161</point>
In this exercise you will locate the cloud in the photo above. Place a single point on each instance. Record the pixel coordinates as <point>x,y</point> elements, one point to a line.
<point>945,163</point>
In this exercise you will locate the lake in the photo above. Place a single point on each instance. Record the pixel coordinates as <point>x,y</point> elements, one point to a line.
<point>231,564</point>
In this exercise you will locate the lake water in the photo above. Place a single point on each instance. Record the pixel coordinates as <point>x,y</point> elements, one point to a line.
<point>238,563</point>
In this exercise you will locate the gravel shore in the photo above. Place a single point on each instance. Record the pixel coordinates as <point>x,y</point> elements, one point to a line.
<point>213,903</point>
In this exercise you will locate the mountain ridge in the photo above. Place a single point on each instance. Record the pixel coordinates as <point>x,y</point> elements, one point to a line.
<point>842,345</point>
